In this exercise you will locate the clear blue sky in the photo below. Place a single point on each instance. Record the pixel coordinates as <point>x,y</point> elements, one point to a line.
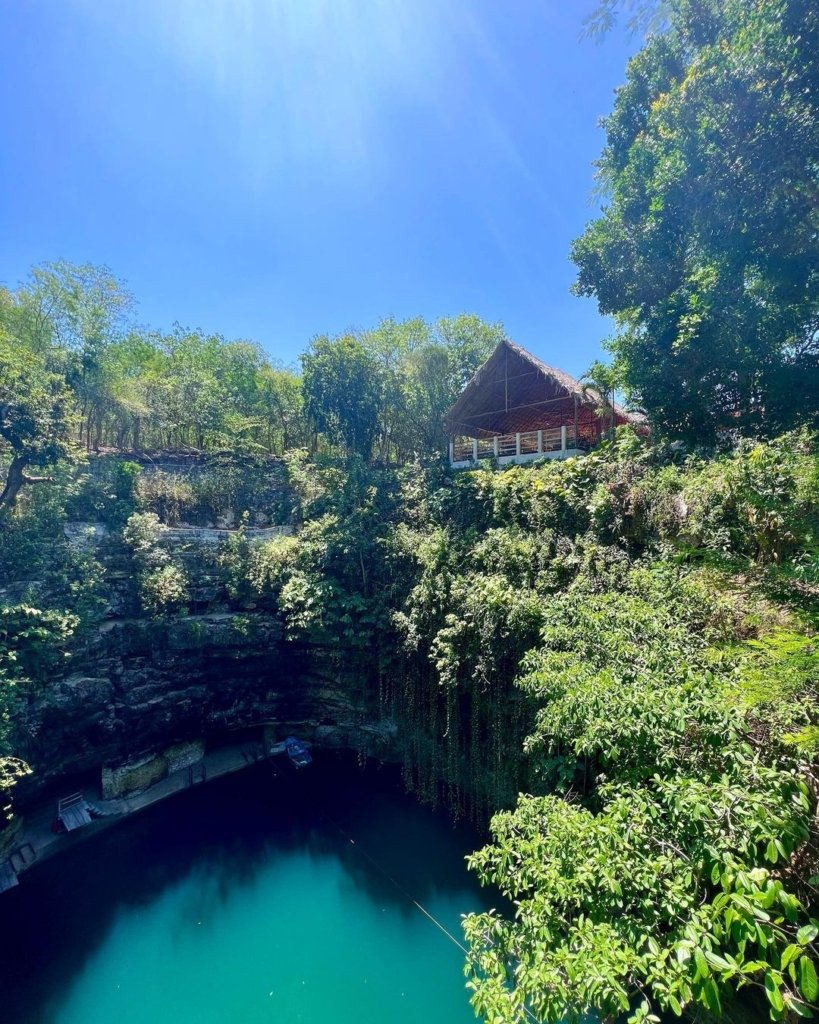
<point>276,169</point>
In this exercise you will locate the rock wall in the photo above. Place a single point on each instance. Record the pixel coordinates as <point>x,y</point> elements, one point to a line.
<point>205,535</point>
<point>140,686</point>
<point>145,685</point>
<point>119,780</point>
<point>200,489</point>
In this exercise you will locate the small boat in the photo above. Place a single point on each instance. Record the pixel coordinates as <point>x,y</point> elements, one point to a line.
<point>297,752</point>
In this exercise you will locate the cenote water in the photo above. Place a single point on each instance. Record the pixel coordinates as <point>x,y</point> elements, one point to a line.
<point>243,901</point>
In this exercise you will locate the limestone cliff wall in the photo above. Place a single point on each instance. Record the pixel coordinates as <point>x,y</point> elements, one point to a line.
<point>138,685</point>
<point>144,685</point>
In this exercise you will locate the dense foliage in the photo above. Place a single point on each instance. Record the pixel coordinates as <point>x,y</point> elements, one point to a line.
<point>386,391</point>
<point>656,868</point>
<point>76,371</point>
<point>643,627</point>
<point>34,410</point>
<point>614,659</point>
<point>706,252</point>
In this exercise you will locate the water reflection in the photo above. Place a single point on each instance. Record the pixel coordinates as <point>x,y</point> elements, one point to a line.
<point>235,840</point>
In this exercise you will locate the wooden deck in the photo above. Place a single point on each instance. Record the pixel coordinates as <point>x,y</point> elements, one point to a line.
<point>40,841</point>
<point>74,812</point>
<point>22,857</point>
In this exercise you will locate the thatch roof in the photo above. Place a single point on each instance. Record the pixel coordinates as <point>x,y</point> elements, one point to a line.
<point>514,391</point>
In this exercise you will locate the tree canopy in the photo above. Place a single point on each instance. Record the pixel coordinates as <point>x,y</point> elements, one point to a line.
<point>35,407</point>
<point>384,392</point>
<point>343,386</point>
<point>706,252</point>
<point>124,386</point>
<point>78,372</point>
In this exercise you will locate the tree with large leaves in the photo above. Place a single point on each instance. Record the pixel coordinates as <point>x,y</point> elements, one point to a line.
<point>706,252</point>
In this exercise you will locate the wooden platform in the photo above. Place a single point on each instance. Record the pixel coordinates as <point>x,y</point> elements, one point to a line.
<point>74,812</point>
<point>22,857</point>
<point>8,876</point>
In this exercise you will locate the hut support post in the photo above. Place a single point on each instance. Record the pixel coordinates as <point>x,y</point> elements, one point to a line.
<point>495,445</point>
<point>474,449</point>
<point>517,444</point>
<point>539,442</point>
<point>451,451</point>
<point>563,439</point>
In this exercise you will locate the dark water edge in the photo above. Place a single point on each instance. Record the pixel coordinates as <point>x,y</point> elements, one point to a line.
<point>60,916</point>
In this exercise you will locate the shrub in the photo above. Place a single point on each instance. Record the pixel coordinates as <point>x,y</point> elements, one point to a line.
<point>162,582</point>
<point>169,496</point>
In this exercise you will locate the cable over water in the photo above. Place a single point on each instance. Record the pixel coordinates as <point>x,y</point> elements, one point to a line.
<point>408,896</point>
<point>396,883</point>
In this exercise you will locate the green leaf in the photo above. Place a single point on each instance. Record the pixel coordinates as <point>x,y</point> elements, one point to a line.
<point>789,954</point>
<point>800,1009</point>
<point>773,993</point>
<point>710,994</point>
<point>719,962</point>
<point>755,965</point>
<point>674,1004</point>
<point>808,984</point>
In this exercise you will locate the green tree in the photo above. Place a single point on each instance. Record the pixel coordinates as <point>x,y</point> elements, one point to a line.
<point>82,309</point>
<point>282,424</point>
<point>669,883</point>
<point>33,641</point>
<point>35,421</point>
<point>426,366</point>
<point>133,366</point>
<point>706,252</point>
<point>601,381</point>
<point>344,392</point>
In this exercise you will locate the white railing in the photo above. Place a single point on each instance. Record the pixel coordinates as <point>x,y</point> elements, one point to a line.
<point>551,442</point>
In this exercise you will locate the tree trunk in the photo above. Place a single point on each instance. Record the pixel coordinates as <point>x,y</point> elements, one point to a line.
<point>15,478</point>
<point>14,481</point>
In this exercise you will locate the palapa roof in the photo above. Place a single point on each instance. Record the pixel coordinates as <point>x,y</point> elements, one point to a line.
<point>514,392</point>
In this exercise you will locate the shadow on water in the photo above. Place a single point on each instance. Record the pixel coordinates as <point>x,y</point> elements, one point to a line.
<point>226,832</point>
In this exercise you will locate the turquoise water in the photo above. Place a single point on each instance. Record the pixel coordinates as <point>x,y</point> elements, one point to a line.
<point>245,901</point>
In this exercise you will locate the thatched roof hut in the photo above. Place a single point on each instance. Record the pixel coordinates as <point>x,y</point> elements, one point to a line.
<point>517,407</point>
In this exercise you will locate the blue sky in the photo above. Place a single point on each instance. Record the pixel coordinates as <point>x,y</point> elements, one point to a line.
<point>276,169</point>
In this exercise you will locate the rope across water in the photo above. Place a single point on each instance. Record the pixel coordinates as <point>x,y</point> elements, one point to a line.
<point>409,896</point>
<point>397,884</point>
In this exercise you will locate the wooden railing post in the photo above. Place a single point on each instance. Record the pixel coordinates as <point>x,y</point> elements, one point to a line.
<point>474,449</point>
<point>540,442</point>
<point>517,444</point>
<point>563,439</point>
<point>451,451</point>
<point>495,445</point>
